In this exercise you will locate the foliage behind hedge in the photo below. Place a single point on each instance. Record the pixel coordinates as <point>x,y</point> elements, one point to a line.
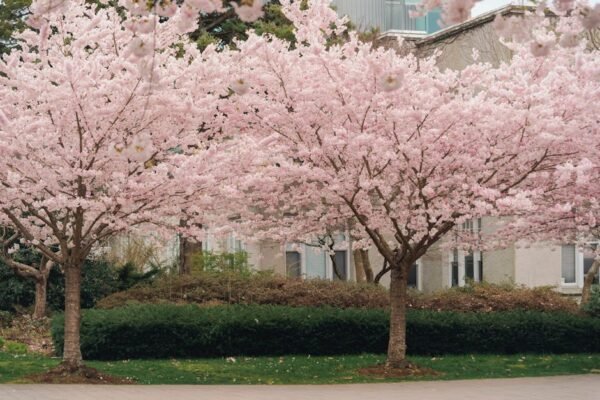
<point>261,288</point>
<point>163,331</point>
<point>278,290</point>
<point>487,297</point>
<point>99,279</point>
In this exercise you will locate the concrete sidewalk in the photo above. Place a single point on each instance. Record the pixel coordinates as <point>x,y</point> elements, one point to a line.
<point>575,387</point>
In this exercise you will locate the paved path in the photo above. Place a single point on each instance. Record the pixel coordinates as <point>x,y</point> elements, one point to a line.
<point>580,387</point>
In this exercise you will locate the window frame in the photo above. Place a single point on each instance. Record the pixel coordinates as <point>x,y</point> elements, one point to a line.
<point>579,260</point>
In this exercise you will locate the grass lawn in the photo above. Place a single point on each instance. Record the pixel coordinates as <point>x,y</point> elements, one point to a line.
<point>309,370</point>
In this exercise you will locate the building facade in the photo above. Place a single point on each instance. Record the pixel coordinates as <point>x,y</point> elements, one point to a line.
<point>388,16</point>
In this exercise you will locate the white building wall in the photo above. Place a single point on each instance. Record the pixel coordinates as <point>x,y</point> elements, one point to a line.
<point>538,266</point>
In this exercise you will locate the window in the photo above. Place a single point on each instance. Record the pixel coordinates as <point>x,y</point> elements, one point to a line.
<point>454,268</point>
<point>468,225</point>
<point>398,18</point>
<point>465,266</point>
<point>293,264</point>
<point>588,260</point>
<point>413,272</point>
<point>568,264</point>
<point>469,266</point>
<point>340,269</point>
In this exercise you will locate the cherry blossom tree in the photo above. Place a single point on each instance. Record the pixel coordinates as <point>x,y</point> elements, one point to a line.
<point>144,16</point>
<point>571,215</point>
<point>101,132</point>
<point>326,133</point>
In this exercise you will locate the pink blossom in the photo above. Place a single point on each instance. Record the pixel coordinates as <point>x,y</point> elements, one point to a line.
<point>34,21</point>
<point>456,11</point>
<point>166,8</point>
<point>240,86</point>
<point>568,39</point>
<point>145,24</point>
<point>41,7</point>
<point>206,6</point>
<point>4,121</point>
<point>513,28</point>
<point>140,149</point>
<point>391,82</point>
<point>249,13</point>
<point>564,5</point>
<point>590,17</point>
<point>141,47</point>
<point>136,7</point>
<point>541,48</point>
<point>187,18</point>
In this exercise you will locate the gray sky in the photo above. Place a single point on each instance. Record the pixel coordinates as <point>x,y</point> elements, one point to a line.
<point>488,5</point>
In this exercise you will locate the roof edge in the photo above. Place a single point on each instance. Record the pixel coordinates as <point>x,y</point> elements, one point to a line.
<point>458,28</point>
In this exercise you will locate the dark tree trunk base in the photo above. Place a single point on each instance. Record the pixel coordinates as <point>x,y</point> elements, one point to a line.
<point>386,371</point>
<point>77,373</point>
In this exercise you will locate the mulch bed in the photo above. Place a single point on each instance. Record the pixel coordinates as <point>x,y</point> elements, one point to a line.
<point>381,371</point>
<point>85,375</point>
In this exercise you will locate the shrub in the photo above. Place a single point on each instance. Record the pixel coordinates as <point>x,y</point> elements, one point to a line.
<point>257,288</point>
<point>163,331</point>
<point>6,319</point>
<point>11,347</point>
<point>230,288</point>
<point>487,297</point>
<point>208,261</point>
<point>33,333</point>
<point>593,306</point>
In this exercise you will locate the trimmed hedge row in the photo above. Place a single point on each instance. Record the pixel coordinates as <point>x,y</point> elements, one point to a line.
<point>164,331</point>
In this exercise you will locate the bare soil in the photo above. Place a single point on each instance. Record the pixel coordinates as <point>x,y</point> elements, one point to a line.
<point>33,333</point>
<point>81,375</point>
<point>382,371</point>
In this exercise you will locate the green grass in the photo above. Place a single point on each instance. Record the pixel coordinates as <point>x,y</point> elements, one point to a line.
<point>15,366</point>
<point>309,370</point>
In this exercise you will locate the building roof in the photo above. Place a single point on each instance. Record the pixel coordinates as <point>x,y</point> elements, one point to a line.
<point>459,28</point>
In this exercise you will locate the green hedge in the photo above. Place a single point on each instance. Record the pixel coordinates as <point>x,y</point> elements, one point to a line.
<point>163,331</point>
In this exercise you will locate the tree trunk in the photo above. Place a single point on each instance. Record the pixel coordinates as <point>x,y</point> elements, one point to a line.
<point>366,263</point>
<point>384,270</point>
<point>334,268</point>
<point>358,266</point>
<point>588,280</point>
<point>72,349</point>
<point>41,286</point>
<point>396,356</point>
<point>187,250</point>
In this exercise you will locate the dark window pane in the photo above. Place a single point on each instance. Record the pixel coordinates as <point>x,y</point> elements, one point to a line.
<point>454,273</point>
<point>412,277</point>
<point>568,254</point>
<point>481,267</point>
<point>340,266</point>
<point>469,267</point>
<point>588,261</point>
<point>292,264</point>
